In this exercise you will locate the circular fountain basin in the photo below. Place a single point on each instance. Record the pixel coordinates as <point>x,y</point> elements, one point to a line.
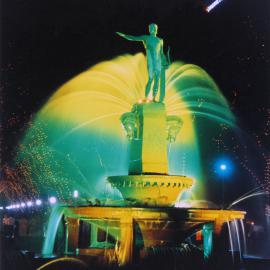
<point>151,190</point>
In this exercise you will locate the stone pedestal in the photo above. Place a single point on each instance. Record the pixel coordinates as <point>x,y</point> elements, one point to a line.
<point>148,147</point>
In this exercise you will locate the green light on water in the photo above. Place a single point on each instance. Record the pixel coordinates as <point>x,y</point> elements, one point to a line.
<point>208,239</point>
<point>53,223</point>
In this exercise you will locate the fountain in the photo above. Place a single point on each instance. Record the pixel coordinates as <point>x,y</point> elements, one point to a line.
<point>78,136</point>
<point>148,221</point>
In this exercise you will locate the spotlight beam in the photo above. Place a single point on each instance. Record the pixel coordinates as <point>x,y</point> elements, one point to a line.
<point>213,5</point>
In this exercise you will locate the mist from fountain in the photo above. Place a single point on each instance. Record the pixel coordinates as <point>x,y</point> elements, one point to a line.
<point>75,141</point>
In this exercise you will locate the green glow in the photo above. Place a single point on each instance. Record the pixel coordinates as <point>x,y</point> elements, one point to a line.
<point>76,140</point>
<point>207,239</point>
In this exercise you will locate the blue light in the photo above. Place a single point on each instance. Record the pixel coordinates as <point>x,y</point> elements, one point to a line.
<point>224,167</point>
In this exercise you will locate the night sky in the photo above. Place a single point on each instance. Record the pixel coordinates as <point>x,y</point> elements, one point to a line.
<point>45,43</point>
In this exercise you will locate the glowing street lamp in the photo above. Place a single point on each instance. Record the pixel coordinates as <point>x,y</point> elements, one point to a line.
<point>38,202</point>
<point>75,194</point>
<point>223,167</point>
<point>29,204</point>
<point>52,200</point>
<point>23,204</point>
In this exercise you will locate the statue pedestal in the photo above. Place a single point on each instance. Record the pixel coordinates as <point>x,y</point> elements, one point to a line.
<point>148,148</point>
<point>149,130</point>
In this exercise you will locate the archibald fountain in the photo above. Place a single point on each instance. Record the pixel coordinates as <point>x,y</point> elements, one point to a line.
<point>148,222</point>
<point>149,128</point>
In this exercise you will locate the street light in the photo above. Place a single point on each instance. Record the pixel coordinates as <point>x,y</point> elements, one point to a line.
<point>75,194</point>
<point>38,202</point>
<point>223,168</point>
<point>22,204</point>
<point>52,200</point>
<point>29,203</point>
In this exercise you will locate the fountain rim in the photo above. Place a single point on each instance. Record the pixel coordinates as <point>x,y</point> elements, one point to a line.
<point>161,213</point>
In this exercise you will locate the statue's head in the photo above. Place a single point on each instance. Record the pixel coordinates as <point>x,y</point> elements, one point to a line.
<point>153,28</point>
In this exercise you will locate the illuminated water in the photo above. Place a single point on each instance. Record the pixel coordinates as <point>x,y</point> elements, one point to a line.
<point>235,223</point>
<point>244,237</point>
<point>230,239</point>
<point>76,139</point>
<point>247,196</point>
<point>54,220</point>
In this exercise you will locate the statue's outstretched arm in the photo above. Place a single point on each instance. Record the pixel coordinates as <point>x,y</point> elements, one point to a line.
<point>130,37</point>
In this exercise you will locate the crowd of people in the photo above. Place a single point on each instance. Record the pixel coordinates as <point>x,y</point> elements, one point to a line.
<point>13,226</point>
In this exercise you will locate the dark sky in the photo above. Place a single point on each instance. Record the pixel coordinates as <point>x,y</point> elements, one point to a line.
<point>45,43</point>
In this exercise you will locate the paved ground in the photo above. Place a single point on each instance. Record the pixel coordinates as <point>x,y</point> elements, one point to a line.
<point>13,259</point>
<point>256,264</point>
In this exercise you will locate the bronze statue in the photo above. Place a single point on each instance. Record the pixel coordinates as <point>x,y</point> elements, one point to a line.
<point>157,62</point>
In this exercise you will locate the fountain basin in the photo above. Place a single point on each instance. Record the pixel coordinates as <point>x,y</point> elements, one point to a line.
<point>151,190</point>
<point>129,232</point>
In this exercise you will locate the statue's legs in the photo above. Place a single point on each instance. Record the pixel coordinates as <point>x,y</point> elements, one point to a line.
<point>150,80</point>
<point>156,83</point>
<point>148,87</point>
<point>162,85</point>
